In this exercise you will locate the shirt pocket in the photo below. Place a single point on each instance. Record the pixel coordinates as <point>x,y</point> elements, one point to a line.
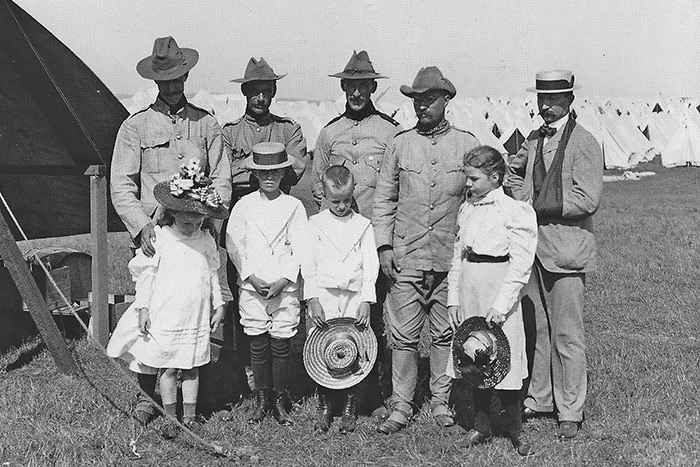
<point>371,165</point>
<point>455,181</point>
<point>409,175</point>
<point>152,151</point>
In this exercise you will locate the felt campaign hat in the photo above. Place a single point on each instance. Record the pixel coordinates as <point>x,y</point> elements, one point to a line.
<point>258,70</point>
<point>340,355</point>
<point>428,79</point>
<point>167,61</point>
<point>554,81</point>
<point>491,362</point>
<point>359,67</point>
<point>268,156</point>
<point>190,190</point>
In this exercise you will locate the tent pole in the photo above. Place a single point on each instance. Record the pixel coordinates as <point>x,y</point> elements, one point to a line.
<point>99,308</point>
<point>15,264</point>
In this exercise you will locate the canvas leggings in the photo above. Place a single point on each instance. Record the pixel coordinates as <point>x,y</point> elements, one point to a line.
<point>413,298</point>
<point>559,377</point>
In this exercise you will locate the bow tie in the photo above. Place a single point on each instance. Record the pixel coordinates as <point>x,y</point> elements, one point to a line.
<point>547,131</point>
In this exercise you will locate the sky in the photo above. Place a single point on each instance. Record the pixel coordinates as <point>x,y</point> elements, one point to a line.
<point>623,48</point>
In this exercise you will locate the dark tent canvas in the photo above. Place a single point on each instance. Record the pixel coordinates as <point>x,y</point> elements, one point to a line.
<point>58,119</point>
<point>516,139</point>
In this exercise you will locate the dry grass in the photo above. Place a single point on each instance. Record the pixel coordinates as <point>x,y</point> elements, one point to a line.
<point>643,352</point>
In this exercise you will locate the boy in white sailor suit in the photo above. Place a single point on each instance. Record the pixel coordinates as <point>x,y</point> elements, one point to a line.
<point>266,239</point>
<point>340,275</point>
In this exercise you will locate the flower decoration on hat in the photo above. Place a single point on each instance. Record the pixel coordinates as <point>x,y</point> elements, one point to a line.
<point>191,183</point>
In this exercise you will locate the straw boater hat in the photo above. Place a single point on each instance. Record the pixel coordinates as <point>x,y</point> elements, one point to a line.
<point>258,70</point>
<point>359,67</point>
<point>554,81</point>
<point>428,79</point>
<point>492,361</point>
<point>168,61</point>
<point>339,355</point>
<point>190,190</point>
<point>268,156</point>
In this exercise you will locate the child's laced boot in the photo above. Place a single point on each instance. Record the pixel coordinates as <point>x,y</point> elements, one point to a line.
<point>279,409</point>
<point>325,414</point>
<point>347,424</point>
<point>262,406</point>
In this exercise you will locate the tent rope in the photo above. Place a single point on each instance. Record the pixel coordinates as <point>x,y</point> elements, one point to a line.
<point>218,449</point>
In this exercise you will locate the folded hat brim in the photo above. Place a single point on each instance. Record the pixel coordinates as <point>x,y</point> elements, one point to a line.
<point>248,80</point>
<point>552,91</point>
<point>145,67</point>
<point>408,91</point>
<point>369,75</point>
<point>162,194</point>
<point>316,343</point>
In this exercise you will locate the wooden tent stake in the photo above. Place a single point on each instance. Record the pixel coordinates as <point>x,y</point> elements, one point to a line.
<point>99,308</point>
<point>38,308</point>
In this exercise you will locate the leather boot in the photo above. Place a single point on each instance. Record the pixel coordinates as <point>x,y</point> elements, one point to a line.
<point>347,423</point>
<point>325,414</point>
<point>262,406</point>
<point>279,409</point>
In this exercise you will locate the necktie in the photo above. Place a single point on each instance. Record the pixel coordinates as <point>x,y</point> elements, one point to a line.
<point>539,171</point>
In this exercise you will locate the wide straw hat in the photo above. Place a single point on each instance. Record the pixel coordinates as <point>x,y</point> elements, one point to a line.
<point>428,79</point>
<point>359,67</point>
<point>168,61</point>
<point>268,156</point>
<point>258,70</point>
<point>190,191</point>
<point>554,81</point>
<point>339,355</point>
<point>486,370</point>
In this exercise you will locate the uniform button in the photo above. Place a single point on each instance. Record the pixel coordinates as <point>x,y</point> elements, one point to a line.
<point>371,158</point>
<point>257,129</point>
<point>432,185</point>
<point>354,143</point>
<point>180,156</point>
<point>354,161</point>
<point>433,162</point>
<point>434,142</point>
<point>432,206</point>
<point>356,123</point>
<point>178,136</point>
<point>430,227</point>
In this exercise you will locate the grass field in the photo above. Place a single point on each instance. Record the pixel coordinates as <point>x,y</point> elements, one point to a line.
<point>643,406</point>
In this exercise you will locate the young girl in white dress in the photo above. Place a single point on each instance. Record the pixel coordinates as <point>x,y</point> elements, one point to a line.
<point>178,295</point>
<point>493,256</point>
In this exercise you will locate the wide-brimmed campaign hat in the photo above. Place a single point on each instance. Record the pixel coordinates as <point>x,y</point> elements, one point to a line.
<point>428,79</point>
<point>168,61</point>
<point>258,70</point>
<point>190,190</point>
<point>359,67</point>
<point>339,355</point>
<point>554,81</point>
<point>491,364</point>
<point>268,156</point>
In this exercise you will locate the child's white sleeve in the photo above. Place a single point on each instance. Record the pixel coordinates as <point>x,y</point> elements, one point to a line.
<point>370,265</point>
<point>299,239</point>
<point>309,268</point>
<point>213,260</point>
<point>235,241</point>
<point>143,272</point>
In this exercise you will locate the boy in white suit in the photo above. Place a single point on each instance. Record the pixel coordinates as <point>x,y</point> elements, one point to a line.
<point>340,276</point>
<point>266,239</point>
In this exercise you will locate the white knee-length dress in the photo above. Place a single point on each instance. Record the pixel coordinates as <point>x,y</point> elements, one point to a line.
<point>179,285</point>
<point>495,225</point>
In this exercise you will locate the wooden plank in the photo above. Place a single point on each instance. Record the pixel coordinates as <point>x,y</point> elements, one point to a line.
<point>14,262</point>
<point>98,228</point>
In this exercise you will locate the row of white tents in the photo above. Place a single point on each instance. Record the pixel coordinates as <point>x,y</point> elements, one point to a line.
<point>629,130</point>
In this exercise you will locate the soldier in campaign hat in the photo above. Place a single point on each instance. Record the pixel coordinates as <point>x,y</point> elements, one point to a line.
<point>419,190</point>
<point>356,139</point>
<point>151,145</point>
<point>258,125</point>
